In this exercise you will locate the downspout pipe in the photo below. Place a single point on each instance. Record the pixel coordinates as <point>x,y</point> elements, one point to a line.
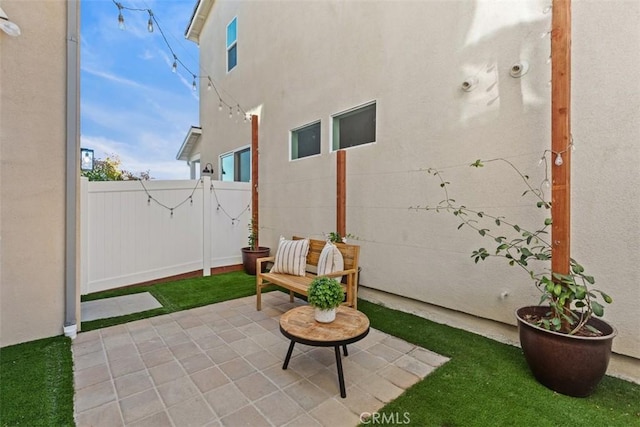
<point>72,167</point>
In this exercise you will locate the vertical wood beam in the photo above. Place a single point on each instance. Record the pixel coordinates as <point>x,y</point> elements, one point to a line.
<point>254,178</point>
<point>561,135</point>
<point>341,192</point>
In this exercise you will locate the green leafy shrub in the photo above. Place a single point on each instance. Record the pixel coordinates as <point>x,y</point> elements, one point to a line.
<point>325,293</point>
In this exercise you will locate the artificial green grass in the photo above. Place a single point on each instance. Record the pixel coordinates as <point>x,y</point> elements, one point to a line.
<point>487,383</point>
<point>36,383</point>
<point>179,295</point>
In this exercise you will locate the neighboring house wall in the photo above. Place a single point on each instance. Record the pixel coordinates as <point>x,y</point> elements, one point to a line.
<point>300,62</point>
<point>32,171</point>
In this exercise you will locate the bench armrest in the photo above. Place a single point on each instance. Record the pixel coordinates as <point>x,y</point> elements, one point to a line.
<point>259,262</point>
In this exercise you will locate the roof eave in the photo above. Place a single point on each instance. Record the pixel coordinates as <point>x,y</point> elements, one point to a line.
<point>189,142</point>
<point>198,18</point>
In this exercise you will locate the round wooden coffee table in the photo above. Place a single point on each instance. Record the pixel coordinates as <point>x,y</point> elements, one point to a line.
<point>300,326</point>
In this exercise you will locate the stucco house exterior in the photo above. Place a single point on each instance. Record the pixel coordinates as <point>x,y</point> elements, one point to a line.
<point>405,86</point>
<point>39,171</point>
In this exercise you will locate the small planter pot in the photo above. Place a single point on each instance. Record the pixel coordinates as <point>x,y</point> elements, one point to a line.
<point>568,364</point>
<point>325,316</point>
<point>249,258</point>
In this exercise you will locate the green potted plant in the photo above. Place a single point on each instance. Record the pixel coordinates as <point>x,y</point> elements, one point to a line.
<point>252,252</point>
<point>325,295</point>
<point>566,347</point>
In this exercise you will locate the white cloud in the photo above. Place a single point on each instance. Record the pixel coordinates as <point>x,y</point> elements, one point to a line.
<point>135,160</point>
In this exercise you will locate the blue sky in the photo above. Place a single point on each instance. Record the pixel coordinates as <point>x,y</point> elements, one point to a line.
<point>132,105</point>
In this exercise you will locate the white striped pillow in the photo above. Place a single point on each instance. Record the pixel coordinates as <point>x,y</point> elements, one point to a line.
<point>291,257</point>
<point>330,260</point>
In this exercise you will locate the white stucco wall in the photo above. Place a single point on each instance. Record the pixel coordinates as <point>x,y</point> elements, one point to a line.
<point>32,171</point>
<point>300,62</point>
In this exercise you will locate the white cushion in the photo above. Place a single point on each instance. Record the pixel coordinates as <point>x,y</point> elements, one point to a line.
<point>330,260</point>
<point>291,257</point>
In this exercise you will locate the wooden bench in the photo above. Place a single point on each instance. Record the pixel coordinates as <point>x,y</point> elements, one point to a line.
<point>300,284</point>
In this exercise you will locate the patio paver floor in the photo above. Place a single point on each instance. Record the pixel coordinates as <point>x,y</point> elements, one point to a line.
<point>221,365</point>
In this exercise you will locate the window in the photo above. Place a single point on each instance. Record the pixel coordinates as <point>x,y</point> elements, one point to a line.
<point>354,127</point>
<point>236,165</point>
<point>232,44</point>
<point>305,141</point>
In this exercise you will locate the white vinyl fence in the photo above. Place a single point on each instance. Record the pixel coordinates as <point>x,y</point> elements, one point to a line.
<point>136,231</point>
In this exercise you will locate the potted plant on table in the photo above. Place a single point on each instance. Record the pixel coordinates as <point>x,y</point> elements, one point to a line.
<point>325,295</point>
<point>252,252</point>
<point>566,347</point>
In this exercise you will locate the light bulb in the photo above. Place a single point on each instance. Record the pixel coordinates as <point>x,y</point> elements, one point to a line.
<point>174,67</point>
<point>558,160</point>
<point>209,85</point>
<point>547,183</point>
<point>193,85</point>
<point>120,21</point>
<point>238,110</point>
<point>547,9</point>
<point>540,161</point>
<point>9,27</point>
<point>230,112</point>
<point>573,147</point>
<point>150,25</point>
<point>220,106</point>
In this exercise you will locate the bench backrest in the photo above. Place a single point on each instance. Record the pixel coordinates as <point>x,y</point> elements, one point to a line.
<point>350,253</point>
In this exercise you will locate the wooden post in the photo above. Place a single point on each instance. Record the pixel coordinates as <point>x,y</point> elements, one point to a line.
<point>254,178</point>
<point>341,193</point>
<point>561,135</point>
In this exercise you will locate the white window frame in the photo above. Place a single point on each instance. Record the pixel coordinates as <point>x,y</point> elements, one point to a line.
<point>301,128</point>
<point>233,153</point>
<point>233,44</point>
<point>344,112</point>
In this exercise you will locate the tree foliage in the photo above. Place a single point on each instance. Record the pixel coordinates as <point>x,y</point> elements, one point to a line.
<point>109,170</point>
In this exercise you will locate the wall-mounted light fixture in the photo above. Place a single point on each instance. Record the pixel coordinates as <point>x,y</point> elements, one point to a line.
<point>519,69</point>
<point>207,170</point>
<point>469,84</point>
<point>86,159</point>
<point>8,26</point>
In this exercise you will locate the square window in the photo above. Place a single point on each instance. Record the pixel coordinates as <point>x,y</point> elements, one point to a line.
<point>354,127</point>
<point>236,165</point>
<point>305,141</point>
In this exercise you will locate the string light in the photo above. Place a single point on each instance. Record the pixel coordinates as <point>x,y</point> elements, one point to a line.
<point>219,208</point>
<point>120,17</point>
<point>152,24</point>
<point>169,208</point>
<point>558,161</point>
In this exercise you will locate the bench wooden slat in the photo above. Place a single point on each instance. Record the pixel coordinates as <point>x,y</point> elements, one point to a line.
<point>300,284</point>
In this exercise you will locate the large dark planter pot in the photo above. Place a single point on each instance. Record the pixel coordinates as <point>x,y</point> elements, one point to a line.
<point>568,364</point>
<point>249,258</point>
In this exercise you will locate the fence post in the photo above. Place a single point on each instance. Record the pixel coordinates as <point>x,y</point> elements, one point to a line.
<point>206,226</point>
